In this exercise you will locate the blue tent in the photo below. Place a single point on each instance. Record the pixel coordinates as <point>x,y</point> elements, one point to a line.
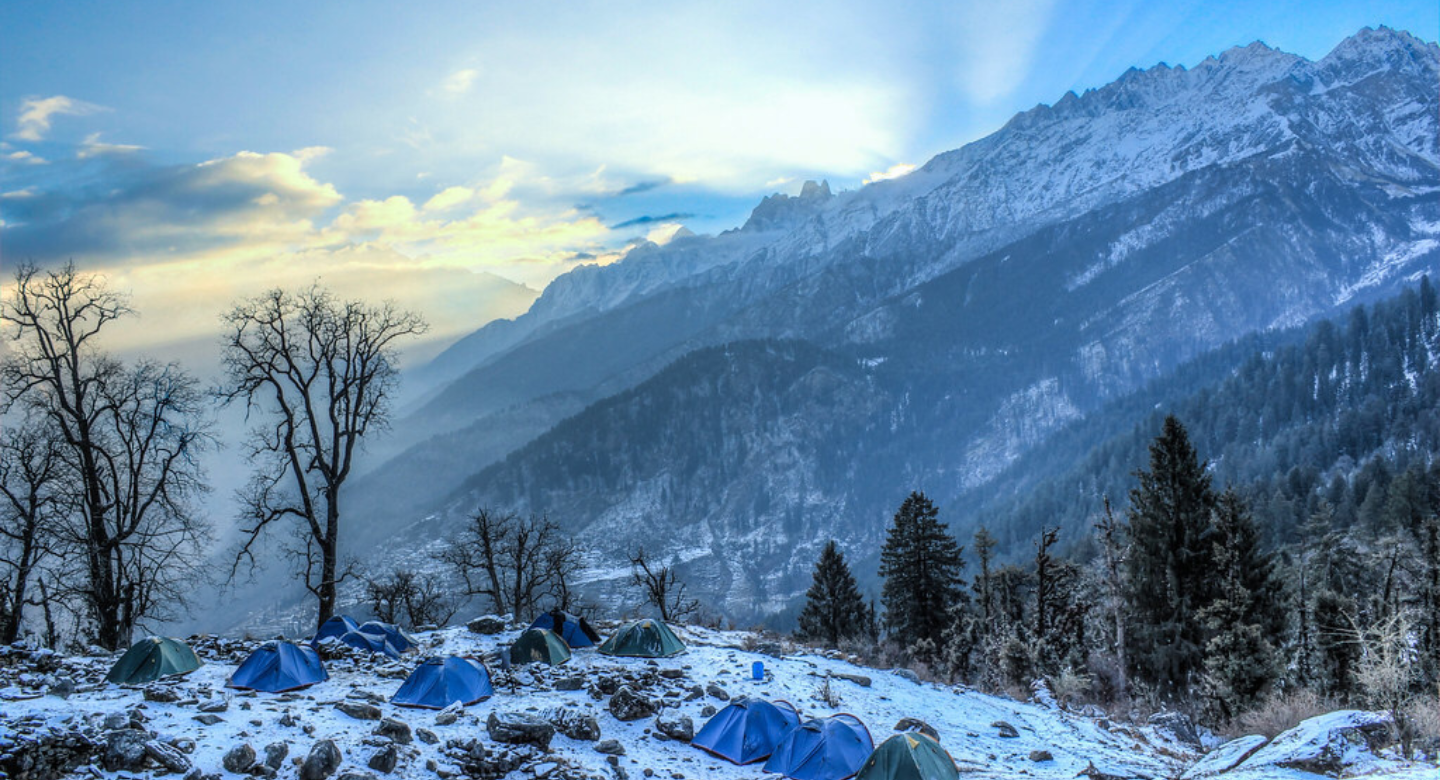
<point>747,730</point>
<point>375,643</point>
<point>832,748</point>
<point>392,633</point>
<point>279,666</point>
<point>337,626</point>
<point>442,681</point>
<point>576,631</point>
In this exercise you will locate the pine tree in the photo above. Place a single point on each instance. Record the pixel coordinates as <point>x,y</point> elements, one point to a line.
<point>1170,563</point>
<point>921,563</point>
<point>834,609</point>
<point>1245,617</point>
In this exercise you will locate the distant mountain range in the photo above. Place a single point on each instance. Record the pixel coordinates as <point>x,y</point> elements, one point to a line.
<point>734,401</point>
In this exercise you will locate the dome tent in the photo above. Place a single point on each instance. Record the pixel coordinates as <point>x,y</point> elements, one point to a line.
<point>576,631</point>
<point>392,633</point>
<point>909,756</point>
<point>832,748</point>
<point>747,730</point>
<point>375,643</point>
<point>152,658</point>
<point>538,645</point>
<point>643,639</point>
<point>337,626</point>
<point>278,666</point>
<point>444,680</point>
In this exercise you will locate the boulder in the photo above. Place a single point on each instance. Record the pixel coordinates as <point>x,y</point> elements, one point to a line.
<point>448,715</point>
<point>275,754</point>
<point>574,724</point>
<point>906,674</point>
<point>519,728</point>
<point>239,759</point>
<point>1006,730</point>
<point>1178,727</point>
<point>678,728</point>
<point>573,683</point>
<point>1226,757</point>
<point>208,719</point>
<point>125,750</point>
<point>427,736</point>
<point>324,758</point>
<point>1041,755</point>
<point>717,692</point>
<point>358,710</point>
<point>859,679</point>
<point>384,759</point>
<point>214,705</point>
<point>627,705</point>
<point>168,756</point>
<point>610,747</point>
<point>486,624</point>
<point>161,694</point>
<point>915,724</point>
<point>1343,741</point>
<point>397,730</point>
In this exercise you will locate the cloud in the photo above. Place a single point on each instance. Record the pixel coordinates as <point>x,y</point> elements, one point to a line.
<point>651,220</point>
<point>643,186</point>
<point>459,82</point>
<point>893,172</point>
<point>36,113</point>
<point>25,158</point>
<point>449,198</point>
<point>93,147</point>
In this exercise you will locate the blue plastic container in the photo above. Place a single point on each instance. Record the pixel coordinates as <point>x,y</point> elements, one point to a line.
<point>757,670</point>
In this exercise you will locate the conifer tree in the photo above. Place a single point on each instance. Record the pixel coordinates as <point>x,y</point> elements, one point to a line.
<point>834,609</point>
<point>1245,616</point>
<point>921,563</point>
<point>1170,563</point>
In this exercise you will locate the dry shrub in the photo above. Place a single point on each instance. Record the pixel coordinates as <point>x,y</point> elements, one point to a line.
<point>1284,710</point>
<point>1422,722</point>
<point>1071,687</point>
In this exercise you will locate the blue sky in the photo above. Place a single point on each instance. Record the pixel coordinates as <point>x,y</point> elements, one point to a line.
<point>199,150</point>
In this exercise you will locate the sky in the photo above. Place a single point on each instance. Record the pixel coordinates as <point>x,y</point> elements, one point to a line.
<point>457,156</point>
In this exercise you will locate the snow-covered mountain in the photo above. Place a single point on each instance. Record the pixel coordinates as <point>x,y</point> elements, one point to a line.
<point>934,327</point>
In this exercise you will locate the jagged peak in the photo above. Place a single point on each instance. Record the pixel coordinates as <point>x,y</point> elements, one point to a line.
<point>779,209</point>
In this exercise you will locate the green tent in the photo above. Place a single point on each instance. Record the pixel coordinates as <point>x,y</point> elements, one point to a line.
<point>644,639</point>
<point>909,756</point>
<point>539,645</point>
<point>152,658</point>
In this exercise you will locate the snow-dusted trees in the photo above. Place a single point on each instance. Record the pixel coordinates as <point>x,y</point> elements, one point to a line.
<point>516,563</point>
<point>125,439</point>
<point>834,609</point>
<point>662,587</point>
<point>922,564</point>
<point>319,373</point>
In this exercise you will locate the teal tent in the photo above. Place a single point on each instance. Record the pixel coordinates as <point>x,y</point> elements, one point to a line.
<point>643,639</point>
<point>152,658</point>
<point>537,645</point>
<point>909,756</point>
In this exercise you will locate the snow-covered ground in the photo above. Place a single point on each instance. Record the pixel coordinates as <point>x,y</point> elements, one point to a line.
<point>685,686</point>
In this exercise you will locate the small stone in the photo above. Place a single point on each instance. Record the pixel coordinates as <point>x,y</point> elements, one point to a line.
<point>116,720</point>
<point>859,679</point>
<point>915,724</point>
<point>214,705</point>
<point>610,747</point>
<point>61,688</point>
<point>627,705</point>
<point>353,775</point>
<point>448,715</point>
<point>323,760</point>
<point>1006,730</point>
<point>570,683</point>
<point>607,685</point>
<point>397,730</point>
<point>906,674</point>
<point>672,674</point>
<point>209,719</point>
<point>519,728</point>
<point>167,756</point>
<point>715,691</point>
<point>288,720</point>
<point>681,728</point>
<point>384,760</point>
<point>239,759</point>
<point>427,736</point>
<point>275,754</point>
<point>161,695</point>
<point>1041,755</point>
<point>359,711</point>
<point>708,711</point>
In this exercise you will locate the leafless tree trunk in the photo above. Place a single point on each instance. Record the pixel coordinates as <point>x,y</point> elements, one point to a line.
<point>1112,542</point>
<point>31,474</point>
<point>662,588</point>
<point>514,563</point>
<point>129,435</point>
<point>320,373</point>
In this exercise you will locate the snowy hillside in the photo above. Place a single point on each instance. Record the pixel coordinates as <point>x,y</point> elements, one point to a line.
<point>59,712</point>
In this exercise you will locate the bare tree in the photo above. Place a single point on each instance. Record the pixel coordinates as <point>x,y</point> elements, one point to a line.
<point>320,373</point>
<point>34,495</point>
<point>129,438</point>
<point>662,588</point>
<point>1112,542</point>
<point>420,599</point>
<point>515,563</point>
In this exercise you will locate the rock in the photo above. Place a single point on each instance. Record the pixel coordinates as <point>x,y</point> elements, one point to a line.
<point>677,728</point>
<point>116,720</point>
<point>260,770</point>
<point>384,759</point>
<point>915,724</point>
<point>708,710</point>
<point>61,688</point>
<point>161,694</point>
<point>1006,730</point>
<point>239,759</point>
<point>275,754</point>
<point>906,674</point>
<point>427,736</point>
<point>859,679</point>
<point>610,747</point>
<point>125,750</point>
<point>627,705</point>
<point>353,775</point>
<point>289,720</point>
<point>1041,755</point>
<point>359,711</point>
<point>209,719</point>
<point>486,624</point>
<point>717,692</point>
<point>323,760</point>
<point>573,723</point>
<point>214,705</point>
<point>1095,774</point>
<point>167,756</point>
<point>1326,744</point>
<point>570,683</point>
<point>448,715</point>
<point>607,685</point>
<point>519,728</point>
<point>397,730</point>
<point>1179,727</point>
<point>672,674</point>
<point>1226,757</point>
